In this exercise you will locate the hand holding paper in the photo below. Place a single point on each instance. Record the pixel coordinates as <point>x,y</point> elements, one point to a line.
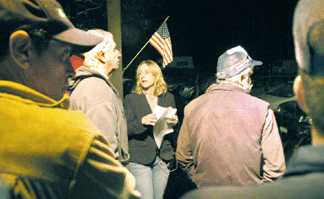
<point>149,119</point>
<point>166,119</point>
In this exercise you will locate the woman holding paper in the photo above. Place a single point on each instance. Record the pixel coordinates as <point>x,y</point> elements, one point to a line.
<point>143,106</point>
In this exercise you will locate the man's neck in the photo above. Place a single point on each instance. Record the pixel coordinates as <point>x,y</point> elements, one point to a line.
<point>317,137</point>
<point>100,71</point>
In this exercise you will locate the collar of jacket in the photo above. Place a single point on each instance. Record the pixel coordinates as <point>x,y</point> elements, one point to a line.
<point>225,87</point>
<point>85,71</point>
<point>25,94</point>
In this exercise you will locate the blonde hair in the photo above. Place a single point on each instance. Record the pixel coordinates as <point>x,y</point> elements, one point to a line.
<point>95,56</point>
<point>160,85</point>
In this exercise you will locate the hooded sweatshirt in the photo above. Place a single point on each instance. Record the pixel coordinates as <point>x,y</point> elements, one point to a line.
<point>100,101</point>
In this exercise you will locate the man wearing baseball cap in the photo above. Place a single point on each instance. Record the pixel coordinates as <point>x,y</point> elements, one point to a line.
<point>47,151</point>
<point>305,171</point>
<point>229,137</point>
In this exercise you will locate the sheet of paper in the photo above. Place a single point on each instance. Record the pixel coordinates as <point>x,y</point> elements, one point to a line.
<point>161,127</point>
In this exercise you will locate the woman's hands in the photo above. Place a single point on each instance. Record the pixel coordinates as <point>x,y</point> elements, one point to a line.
<point>173,121</point>
<point>149,119</point>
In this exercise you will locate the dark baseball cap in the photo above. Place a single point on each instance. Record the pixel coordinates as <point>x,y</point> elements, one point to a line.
<point>308,32</point>
<point>50,14</point>
<point>234,61</point>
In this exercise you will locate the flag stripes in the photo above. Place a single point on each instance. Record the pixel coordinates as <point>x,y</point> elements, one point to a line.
<point>161,41</point>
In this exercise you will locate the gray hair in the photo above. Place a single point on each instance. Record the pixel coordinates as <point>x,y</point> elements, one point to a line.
<point>221,77</point>
<point>94,56</point>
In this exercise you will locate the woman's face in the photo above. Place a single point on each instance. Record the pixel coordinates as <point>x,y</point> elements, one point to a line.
<point>146,77</point>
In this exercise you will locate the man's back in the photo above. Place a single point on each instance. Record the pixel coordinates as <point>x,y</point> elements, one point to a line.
<point>225,129</point>
<point>304,179</point>
<point>100,101</point>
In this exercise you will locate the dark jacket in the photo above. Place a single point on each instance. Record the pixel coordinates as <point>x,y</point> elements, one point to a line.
<point>304,178</point>
<point>142,146</point>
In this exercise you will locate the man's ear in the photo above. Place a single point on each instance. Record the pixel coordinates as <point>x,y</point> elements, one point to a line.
<point>244,77</point>
<point>244,80</point>
<point>300,93</point>
<point>20,46</point>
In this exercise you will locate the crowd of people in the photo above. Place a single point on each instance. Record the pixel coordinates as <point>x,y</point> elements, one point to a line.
<point>90,143</point>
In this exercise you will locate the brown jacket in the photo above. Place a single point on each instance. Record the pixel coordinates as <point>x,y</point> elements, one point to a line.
<point>229,137</point>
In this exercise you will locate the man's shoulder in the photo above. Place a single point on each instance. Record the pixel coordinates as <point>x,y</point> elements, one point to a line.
<point>202,98</point>
<point>197,103</point>
<point>92,88</point>
<point>42,115</point>
<point>92,81</point>
<point>213,99</point>
<point>87,77</point>
<point>299,186</point>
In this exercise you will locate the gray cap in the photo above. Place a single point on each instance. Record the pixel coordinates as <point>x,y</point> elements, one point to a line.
<point>234,61</point>
<point>50,13</point>
<point>308,32</point>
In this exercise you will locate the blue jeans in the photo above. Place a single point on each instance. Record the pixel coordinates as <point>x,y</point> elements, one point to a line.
<point>151,180</point>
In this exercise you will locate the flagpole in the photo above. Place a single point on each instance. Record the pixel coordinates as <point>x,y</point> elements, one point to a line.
<point>141,49</point>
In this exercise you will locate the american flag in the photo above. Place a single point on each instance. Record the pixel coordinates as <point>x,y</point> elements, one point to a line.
<point>162,42</point>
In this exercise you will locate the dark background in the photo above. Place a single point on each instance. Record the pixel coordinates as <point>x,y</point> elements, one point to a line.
<point>198,28</point>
